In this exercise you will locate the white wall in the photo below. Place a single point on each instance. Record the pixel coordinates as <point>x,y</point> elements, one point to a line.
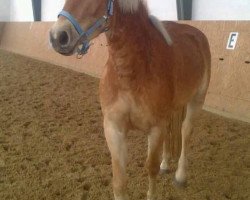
<point>16,10</point>
<point>163,9</point>
<point>4,10</point>
<point>21,10</point>
<point>51,8</point>
<point>221,10</point>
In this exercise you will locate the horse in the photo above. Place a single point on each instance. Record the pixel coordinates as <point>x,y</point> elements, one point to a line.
<point>156,77</point>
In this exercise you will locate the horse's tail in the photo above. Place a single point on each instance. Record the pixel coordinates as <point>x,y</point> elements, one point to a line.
<point>174,132</point>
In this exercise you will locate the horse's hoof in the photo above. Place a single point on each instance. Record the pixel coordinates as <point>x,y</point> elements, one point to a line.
<point>179,184</point>
<point>164,171</point>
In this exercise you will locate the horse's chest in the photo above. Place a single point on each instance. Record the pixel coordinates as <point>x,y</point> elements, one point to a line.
<point>140,117</point>
<point>139,113</point>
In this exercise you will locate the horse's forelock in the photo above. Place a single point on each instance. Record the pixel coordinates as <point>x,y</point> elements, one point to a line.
<point>131,5</point>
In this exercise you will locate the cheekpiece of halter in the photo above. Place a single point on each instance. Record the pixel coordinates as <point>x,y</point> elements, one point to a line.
<point>84,35</point>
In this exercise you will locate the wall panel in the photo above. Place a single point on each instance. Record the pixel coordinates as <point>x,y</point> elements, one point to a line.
<point>2,24</point>
<point>221,10</point>
<point>229,91</point>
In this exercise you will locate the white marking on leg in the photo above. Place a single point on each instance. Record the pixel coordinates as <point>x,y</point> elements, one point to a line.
<point>164,165</point>
<point>165,157</point>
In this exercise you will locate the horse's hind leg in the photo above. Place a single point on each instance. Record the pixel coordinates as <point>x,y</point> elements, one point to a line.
<point>180,176</point>
<point>155,143</point>
<point>165,156</point>
<point>193,108</point>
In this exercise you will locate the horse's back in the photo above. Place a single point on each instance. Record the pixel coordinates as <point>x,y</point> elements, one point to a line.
<point>176,30</point>
<point>191,56</point>
<point>182,32</point>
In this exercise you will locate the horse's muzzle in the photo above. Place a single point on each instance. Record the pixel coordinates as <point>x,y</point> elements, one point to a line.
<point>61,41</point>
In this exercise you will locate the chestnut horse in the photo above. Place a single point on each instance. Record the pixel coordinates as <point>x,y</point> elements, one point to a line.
<point>155,70</point>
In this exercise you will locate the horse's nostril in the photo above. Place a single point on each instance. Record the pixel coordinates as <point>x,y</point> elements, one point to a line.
<point>63,38</point>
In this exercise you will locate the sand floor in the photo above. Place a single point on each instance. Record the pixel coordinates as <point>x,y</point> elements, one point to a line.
<point>52,144</point>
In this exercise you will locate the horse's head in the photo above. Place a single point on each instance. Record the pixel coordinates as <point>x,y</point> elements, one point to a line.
<point>79,22</point>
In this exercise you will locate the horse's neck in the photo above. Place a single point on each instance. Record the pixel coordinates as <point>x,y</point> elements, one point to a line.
<point>129,42</point>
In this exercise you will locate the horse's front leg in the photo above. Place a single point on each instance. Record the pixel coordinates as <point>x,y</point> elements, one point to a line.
<point>155,143</point>
<point>115,134</point>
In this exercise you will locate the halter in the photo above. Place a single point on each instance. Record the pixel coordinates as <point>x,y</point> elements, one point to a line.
<point>84,35</point>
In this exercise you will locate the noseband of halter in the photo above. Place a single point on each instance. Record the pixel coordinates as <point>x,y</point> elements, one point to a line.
<point>84,35</point>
